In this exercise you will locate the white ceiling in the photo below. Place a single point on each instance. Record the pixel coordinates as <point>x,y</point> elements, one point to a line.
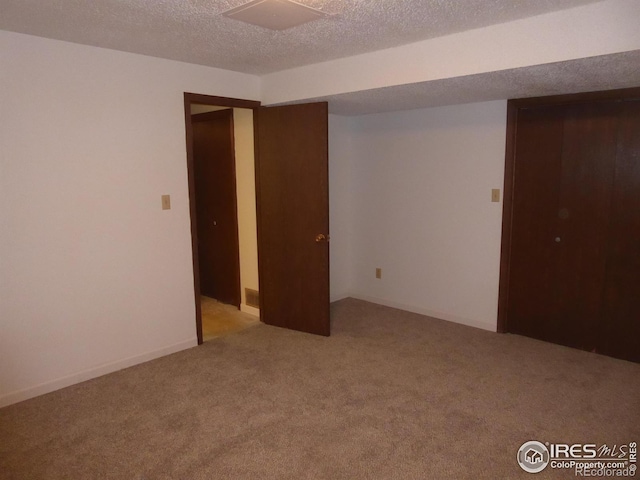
<point>195,31</point>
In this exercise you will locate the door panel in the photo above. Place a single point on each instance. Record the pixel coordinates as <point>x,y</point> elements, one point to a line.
<point>531,309</point>
<point>293,209</point>
<point>620,327</point>
<point>216,206</point>
<point>588,165</point>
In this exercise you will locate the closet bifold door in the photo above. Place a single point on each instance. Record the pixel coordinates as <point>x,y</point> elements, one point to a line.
<point>619,334</point>
<point>582,221</point>
<point>532,299</point>
<point>563,184</point>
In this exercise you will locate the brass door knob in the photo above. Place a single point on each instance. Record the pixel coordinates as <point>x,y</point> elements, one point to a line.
<point>321,237</point>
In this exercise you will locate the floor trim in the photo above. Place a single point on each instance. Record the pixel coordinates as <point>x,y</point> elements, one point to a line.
<point>339,296</point>
<point>250,310</point>
<point>57,384</point>
<point>425,311</point>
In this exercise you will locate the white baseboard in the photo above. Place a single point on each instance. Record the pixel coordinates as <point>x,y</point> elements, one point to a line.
<point>339,296</point>
<point>492,327</point>
<point>57,384</point>
<point>250,310</point>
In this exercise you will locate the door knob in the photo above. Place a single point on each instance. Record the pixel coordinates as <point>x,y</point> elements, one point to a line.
<point>321,237</point>
<point>558,239</point>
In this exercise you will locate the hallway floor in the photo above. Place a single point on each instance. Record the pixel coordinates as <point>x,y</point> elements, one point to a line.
<point>219,319</point>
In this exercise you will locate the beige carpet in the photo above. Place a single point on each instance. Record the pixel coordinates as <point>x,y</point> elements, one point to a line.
<point>390,395</point>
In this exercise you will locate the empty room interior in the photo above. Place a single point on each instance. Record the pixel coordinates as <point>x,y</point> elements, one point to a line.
<point>425,226</point>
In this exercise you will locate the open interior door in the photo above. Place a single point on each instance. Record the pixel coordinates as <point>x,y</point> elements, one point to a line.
<point>292,187</point>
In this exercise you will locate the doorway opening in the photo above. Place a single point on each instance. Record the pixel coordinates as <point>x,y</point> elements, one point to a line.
<point>219,319</point>
<point>290,201</point>
<point>220,161</point>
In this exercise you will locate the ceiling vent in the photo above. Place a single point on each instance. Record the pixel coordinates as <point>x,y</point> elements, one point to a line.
<point>275,14</point>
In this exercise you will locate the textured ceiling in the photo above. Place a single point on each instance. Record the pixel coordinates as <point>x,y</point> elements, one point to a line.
<point>606,72</point>
<point>194,31</point>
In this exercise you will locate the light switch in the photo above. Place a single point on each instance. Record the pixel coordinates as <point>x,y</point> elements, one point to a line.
<point>166,202</point>
<point>495,194</point>
<point>378,273</point>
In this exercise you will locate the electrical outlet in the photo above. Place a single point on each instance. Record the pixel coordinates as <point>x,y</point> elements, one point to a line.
<point>378,273</point>
<point>166,202</point>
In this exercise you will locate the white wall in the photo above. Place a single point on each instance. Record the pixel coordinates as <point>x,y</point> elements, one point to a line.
<point>94,276</point>
<point>340,203</point>
<point>246,193</point>
<point>422,211</point>
<point>198,108</point>
<point>601,28</point>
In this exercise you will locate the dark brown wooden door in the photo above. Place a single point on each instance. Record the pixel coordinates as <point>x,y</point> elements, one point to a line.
<point>293,216</point>
<point>563,181</point>
<point>575,238</point>
<point>531,309</point>
<point>620,328</point>
<point>216,206</point>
